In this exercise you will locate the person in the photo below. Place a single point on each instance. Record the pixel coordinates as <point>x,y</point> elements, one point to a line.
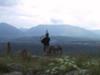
<point>46,41</point>
<point>8,48</point>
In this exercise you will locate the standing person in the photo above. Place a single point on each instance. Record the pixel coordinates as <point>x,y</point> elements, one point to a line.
<point>46,41</point>
<point>8,48</point>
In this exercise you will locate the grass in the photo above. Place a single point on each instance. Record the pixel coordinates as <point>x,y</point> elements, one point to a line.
<point>52,65</point>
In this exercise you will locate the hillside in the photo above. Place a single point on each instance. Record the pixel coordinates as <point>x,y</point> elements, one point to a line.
<point>61,30</point>
<point>8,32</point>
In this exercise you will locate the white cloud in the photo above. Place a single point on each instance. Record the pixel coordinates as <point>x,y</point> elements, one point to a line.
<point>83,13</point>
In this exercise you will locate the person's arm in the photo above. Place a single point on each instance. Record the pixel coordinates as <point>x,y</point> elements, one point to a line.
<point>49,39</point>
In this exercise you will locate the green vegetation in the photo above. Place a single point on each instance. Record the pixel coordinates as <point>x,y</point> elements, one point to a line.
<point>50,65</point>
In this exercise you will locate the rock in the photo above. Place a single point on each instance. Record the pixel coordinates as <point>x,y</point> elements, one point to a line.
<point>73,73</point>
<point>83,72</point>
<point>15,67</point>
<point>14,73</point>
<point>76,72</point>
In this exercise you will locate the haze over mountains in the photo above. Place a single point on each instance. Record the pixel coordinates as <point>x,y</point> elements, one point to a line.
<point>9,32</point>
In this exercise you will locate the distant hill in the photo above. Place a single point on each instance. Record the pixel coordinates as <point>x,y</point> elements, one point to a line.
<point>7,31</point>
<point>96,32</point>
<point>61,30</point>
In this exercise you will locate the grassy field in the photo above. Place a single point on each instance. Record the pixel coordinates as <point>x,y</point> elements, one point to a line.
<point>47,65</point>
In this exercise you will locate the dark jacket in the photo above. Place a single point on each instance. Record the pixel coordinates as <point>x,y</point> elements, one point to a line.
<point>45,41</point>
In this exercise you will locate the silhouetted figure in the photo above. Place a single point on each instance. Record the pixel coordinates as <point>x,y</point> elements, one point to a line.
<point>8,48</point>
<point>54,50</point>
<point>24,54</point>
<point>46,41</point>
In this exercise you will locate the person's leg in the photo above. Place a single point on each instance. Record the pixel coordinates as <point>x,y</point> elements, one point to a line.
<point>44,48</point>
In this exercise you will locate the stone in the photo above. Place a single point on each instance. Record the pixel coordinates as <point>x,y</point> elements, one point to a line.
<point>13,73</point>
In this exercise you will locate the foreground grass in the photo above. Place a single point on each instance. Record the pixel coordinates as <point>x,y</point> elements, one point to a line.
<point>50,65</point>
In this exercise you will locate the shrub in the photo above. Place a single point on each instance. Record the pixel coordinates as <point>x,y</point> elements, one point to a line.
<point>4,68</point>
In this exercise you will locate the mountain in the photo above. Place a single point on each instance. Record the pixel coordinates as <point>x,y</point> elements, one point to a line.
<point>96,32</point>
<point>61,30</point>
<point>24,29</point>
<point>7,31</point>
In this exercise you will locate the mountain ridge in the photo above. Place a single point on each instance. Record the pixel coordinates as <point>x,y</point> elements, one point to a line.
<point>9,31</point>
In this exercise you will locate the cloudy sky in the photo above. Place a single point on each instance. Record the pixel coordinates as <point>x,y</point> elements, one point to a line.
<point>28,13</point>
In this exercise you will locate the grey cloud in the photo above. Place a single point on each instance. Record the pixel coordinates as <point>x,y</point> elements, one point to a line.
<point>8,2</point>
<point>56,21</point>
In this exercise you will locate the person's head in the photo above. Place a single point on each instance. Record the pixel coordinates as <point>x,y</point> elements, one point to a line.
<point>47,34</point>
